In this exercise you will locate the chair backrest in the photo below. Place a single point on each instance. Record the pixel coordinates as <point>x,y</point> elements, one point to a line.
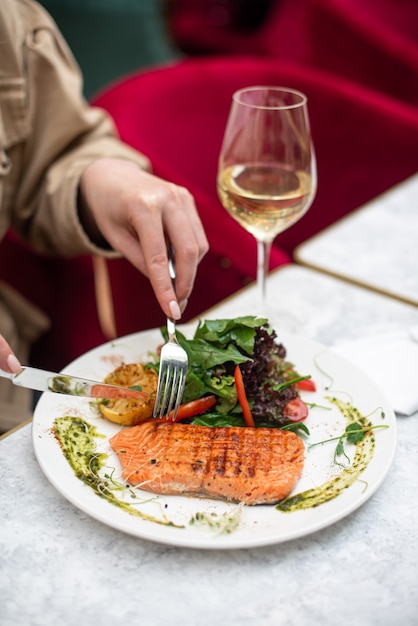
<point>374,43</point>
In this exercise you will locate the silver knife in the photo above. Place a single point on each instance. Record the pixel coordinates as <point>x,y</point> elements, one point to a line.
<point>42,380</point>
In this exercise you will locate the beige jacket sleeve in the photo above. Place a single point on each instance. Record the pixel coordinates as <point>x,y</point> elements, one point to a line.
<point>61,135</point>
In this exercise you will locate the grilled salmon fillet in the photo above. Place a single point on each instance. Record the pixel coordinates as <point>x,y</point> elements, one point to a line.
<point>249,465</point>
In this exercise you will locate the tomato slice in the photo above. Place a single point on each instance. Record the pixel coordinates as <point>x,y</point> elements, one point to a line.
<point>190,409</point>
<point>306,385</point>
<point>296,410</point>
<point>108,392</point>
<point>242,398</point>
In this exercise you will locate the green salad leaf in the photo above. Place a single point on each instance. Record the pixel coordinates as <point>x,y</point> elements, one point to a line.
<point>214,351</point>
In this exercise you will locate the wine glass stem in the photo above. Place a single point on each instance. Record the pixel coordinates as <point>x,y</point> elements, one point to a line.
<point>263,258</point>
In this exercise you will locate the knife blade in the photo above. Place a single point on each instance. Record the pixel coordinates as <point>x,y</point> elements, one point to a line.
<point>42,380</point>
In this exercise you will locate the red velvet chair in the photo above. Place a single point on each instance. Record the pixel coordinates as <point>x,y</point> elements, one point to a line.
<point>64,289</point>
<point>372,42</point>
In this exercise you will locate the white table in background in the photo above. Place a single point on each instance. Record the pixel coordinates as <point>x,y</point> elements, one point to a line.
<point>375,246</point>
<point>59,567</point>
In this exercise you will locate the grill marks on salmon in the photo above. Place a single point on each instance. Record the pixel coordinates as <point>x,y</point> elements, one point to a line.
<point>249,465</point>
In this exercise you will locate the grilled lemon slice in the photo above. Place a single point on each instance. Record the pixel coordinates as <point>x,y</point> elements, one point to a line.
<point>130,412</point>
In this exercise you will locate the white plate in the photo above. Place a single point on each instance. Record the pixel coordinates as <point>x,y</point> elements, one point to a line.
<point>259,525</point>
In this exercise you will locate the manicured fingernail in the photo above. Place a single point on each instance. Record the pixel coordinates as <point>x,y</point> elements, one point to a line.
<point>183,305</point>
<point>13,364</point>
<point>174,310</point>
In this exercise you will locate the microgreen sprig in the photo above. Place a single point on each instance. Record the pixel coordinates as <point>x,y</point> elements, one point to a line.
<point>353,433</point>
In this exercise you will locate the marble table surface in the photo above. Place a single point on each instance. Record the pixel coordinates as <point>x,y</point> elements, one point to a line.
<point>61,567</point>
<point>375,245</point>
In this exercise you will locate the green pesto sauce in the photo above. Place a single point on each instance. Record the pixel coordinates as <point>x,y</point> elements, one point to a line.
<point>364,451</point>
<point>77,440</point>
<point>224,523</point>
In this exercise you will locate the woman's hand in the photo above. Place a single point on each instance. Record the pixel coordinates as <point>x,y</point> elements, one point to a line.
<point>8,360</point>
<point>137,213</point>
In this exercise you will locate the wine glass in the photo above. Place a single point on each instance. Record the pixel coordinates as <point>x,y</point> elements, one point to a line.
<point>267,168</point>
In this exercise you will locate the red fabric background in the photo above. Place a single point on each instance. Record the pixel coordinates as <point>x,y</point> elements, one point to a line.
<point>372,42</point>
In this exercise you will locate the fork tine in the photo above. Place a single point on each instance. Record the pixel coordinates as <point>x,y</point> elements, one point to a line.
<point>173,385</point>
<point>180,389</point>
<point>160,387</point>
<point>169,371</point>
<point>173,379</point>
<point>163,389</point>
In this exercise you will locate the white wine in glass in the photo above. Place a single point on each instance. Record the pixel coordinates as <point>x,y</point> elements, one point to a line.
<point>267,169</point>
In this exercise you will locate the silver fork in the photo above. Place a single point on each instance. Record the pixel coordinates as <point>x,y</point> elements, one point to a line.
<point>173,366</point>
